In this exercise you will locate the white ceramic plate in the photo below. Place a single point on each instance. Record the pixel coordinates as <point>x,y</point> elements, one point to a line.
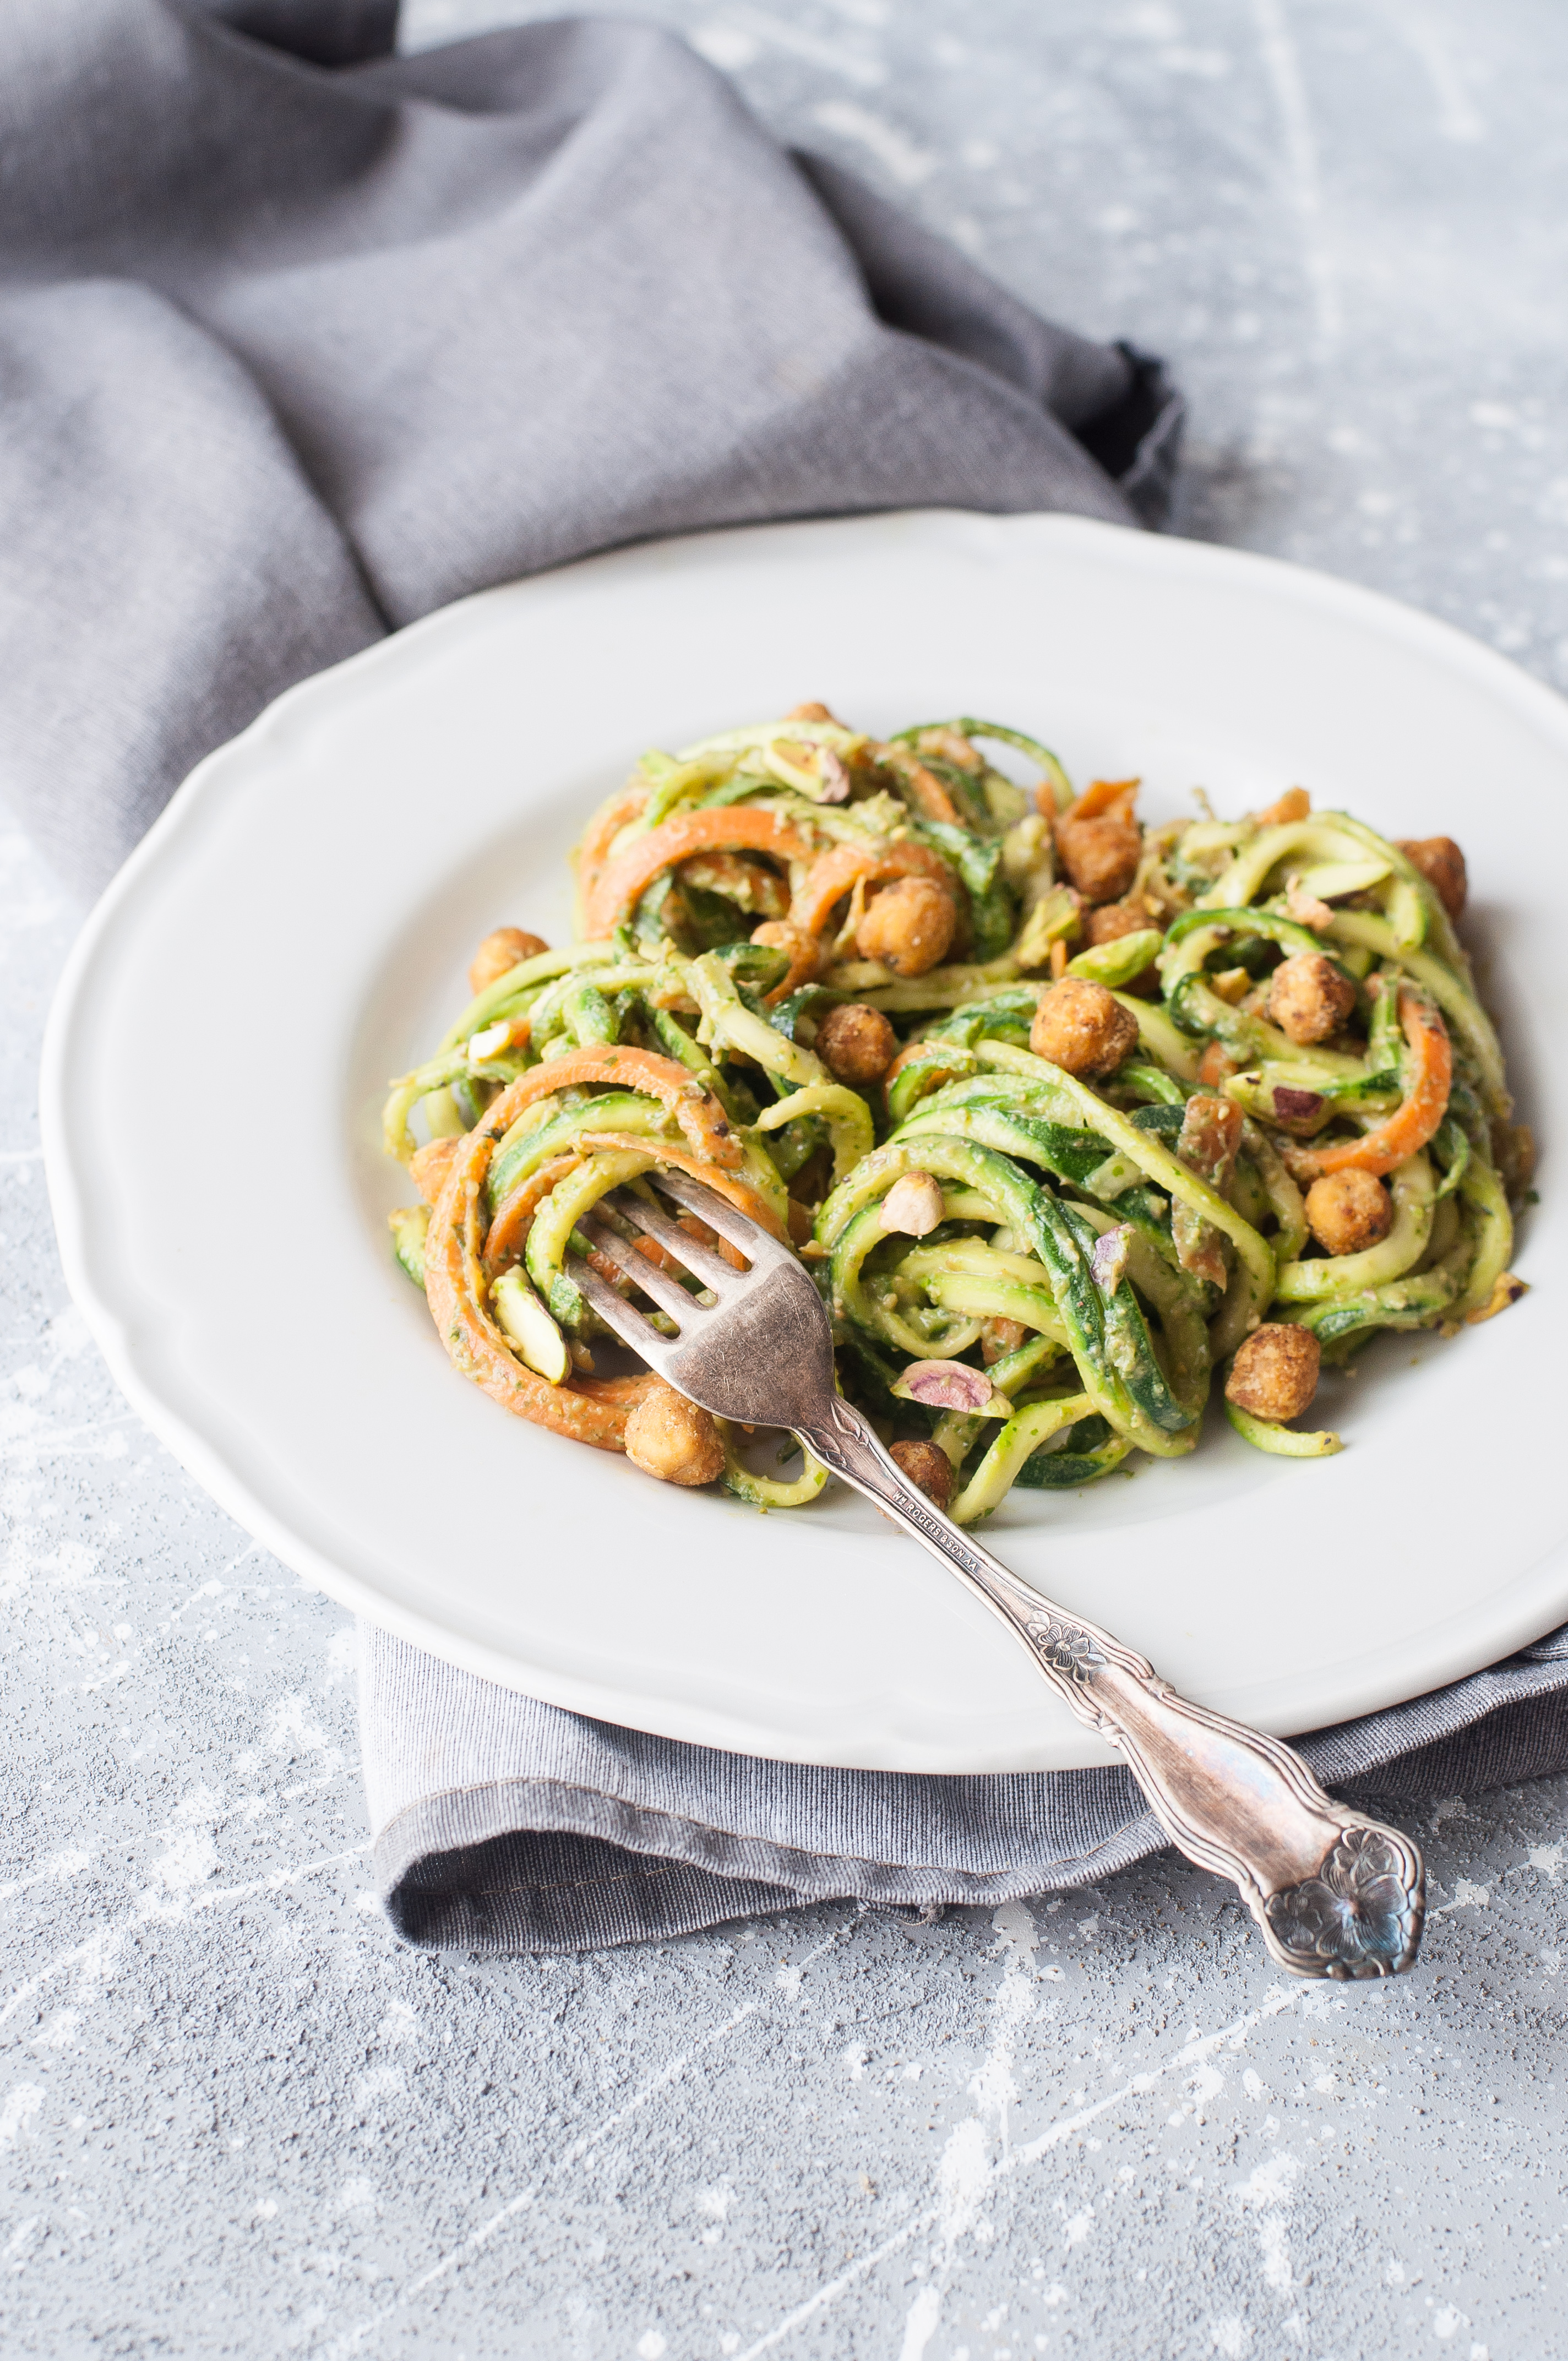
<point>295,929</point>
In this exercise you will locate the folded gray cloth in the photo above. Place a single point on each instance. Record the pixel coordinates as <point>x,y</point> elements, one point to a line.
<point>288,356</point>
<point>300,340</point>
<point>500,1824</point>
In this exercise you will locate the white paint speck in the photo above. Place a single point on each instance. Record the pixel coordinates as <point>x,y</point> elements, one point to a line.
<point>22,2104</point>
<point>1231,2336</point>
<point>1016,1929</point>
<point>920,2324</point>
<point>1274,2251</point>
<point>650,2345</point>
<point>380,2082</point>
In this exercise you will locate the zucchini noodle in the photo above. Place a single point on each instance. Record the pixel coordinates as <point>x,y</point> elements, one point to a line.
<point>812,976</point>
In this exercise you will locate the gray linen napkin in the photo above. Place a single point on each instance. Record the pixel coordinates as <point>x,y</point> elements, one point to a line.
<point>300,340</point>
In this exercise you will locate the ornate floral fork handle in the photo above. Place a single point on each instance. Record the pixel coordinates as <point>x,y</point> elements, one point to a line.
<point>1334,1892</point>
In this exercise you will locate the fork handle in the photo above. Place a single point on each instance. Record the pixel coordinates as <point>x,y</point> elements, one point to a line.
<point>1334,1893</point>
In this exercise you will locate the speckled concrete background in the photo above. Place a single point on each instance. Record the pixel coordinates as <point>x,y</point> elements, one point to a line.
<point>234,2118</point>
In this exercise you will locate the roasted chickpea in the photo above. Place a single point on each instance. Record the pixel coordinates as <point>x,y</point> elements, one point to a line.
<point>804,953</point>
<point>926,1468</point>
<point>673,1439</point>
<point>908,925</point>
<point>1110,921</point>
<point>428,1165</point>
<point>1441,864</point>
<point>856,1043</point>
<point>1347,1211</point>
<point>1308,997</point>
<point>1275,1373</point>
<point>1080,1027</point>
<point>507,948</point>
<point>1099,840</point>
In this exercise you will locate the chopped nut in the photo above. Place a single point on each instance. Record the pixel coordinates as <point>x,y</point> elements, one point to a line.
<point>947,1385</point>
<point>929,1469</point>
<point>811,711</point>
<point>1309,998</point>
<point>499,954</point>
<point>1294,804</point>
<point>1441,864</point>
<point>1210,1137</point>
<point>1348,1210</point>
<point>673,1439</point>
<point>1082,1027</point>
<point>1109,1260</point>
<point>856,1043</point>
<point>909,926</point>
<point>1306,908</point>
<point>913,1204</point>
<point>1275,1373</point>
<point>1216,1066</point>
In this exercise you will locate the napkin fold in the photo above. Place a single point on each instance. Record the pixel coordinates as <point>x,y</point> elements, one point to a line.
<point>300,339</point>
<point>502,1824</point>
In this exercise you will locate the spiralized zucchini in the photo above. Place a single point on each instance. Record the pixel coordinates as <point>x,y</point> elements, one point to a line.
<point>1087,1248</point>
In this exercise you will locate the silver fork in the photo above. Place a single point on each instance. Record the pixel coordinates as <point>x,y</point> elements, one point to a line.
<point>1335,1894</point>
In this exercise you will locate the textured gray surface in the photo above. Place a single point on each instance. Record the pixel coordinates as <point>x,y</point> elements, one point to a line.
<point>234,2118</point>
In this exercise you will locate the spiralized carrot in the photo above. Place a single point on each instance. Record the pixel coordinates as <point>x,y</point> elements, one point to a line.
<point>1103,797</point>
<point>453,1283</point>
<point>605,827</point>
<point>930,797</point>
<point>513,1217</point>
<point>849,865</point>
<point>612,894</point>
<point>1413,1121</point>
<point>696,1110</point>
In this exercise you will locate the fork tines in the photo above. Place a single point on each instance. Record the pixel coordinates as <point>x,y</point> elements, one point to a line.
<point>700,1260</point>
<point>720,1279</point>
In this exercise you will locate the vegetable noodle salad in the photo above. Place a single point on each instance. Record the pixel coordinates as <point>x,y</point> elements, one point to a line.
<point>1069,1116</point>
